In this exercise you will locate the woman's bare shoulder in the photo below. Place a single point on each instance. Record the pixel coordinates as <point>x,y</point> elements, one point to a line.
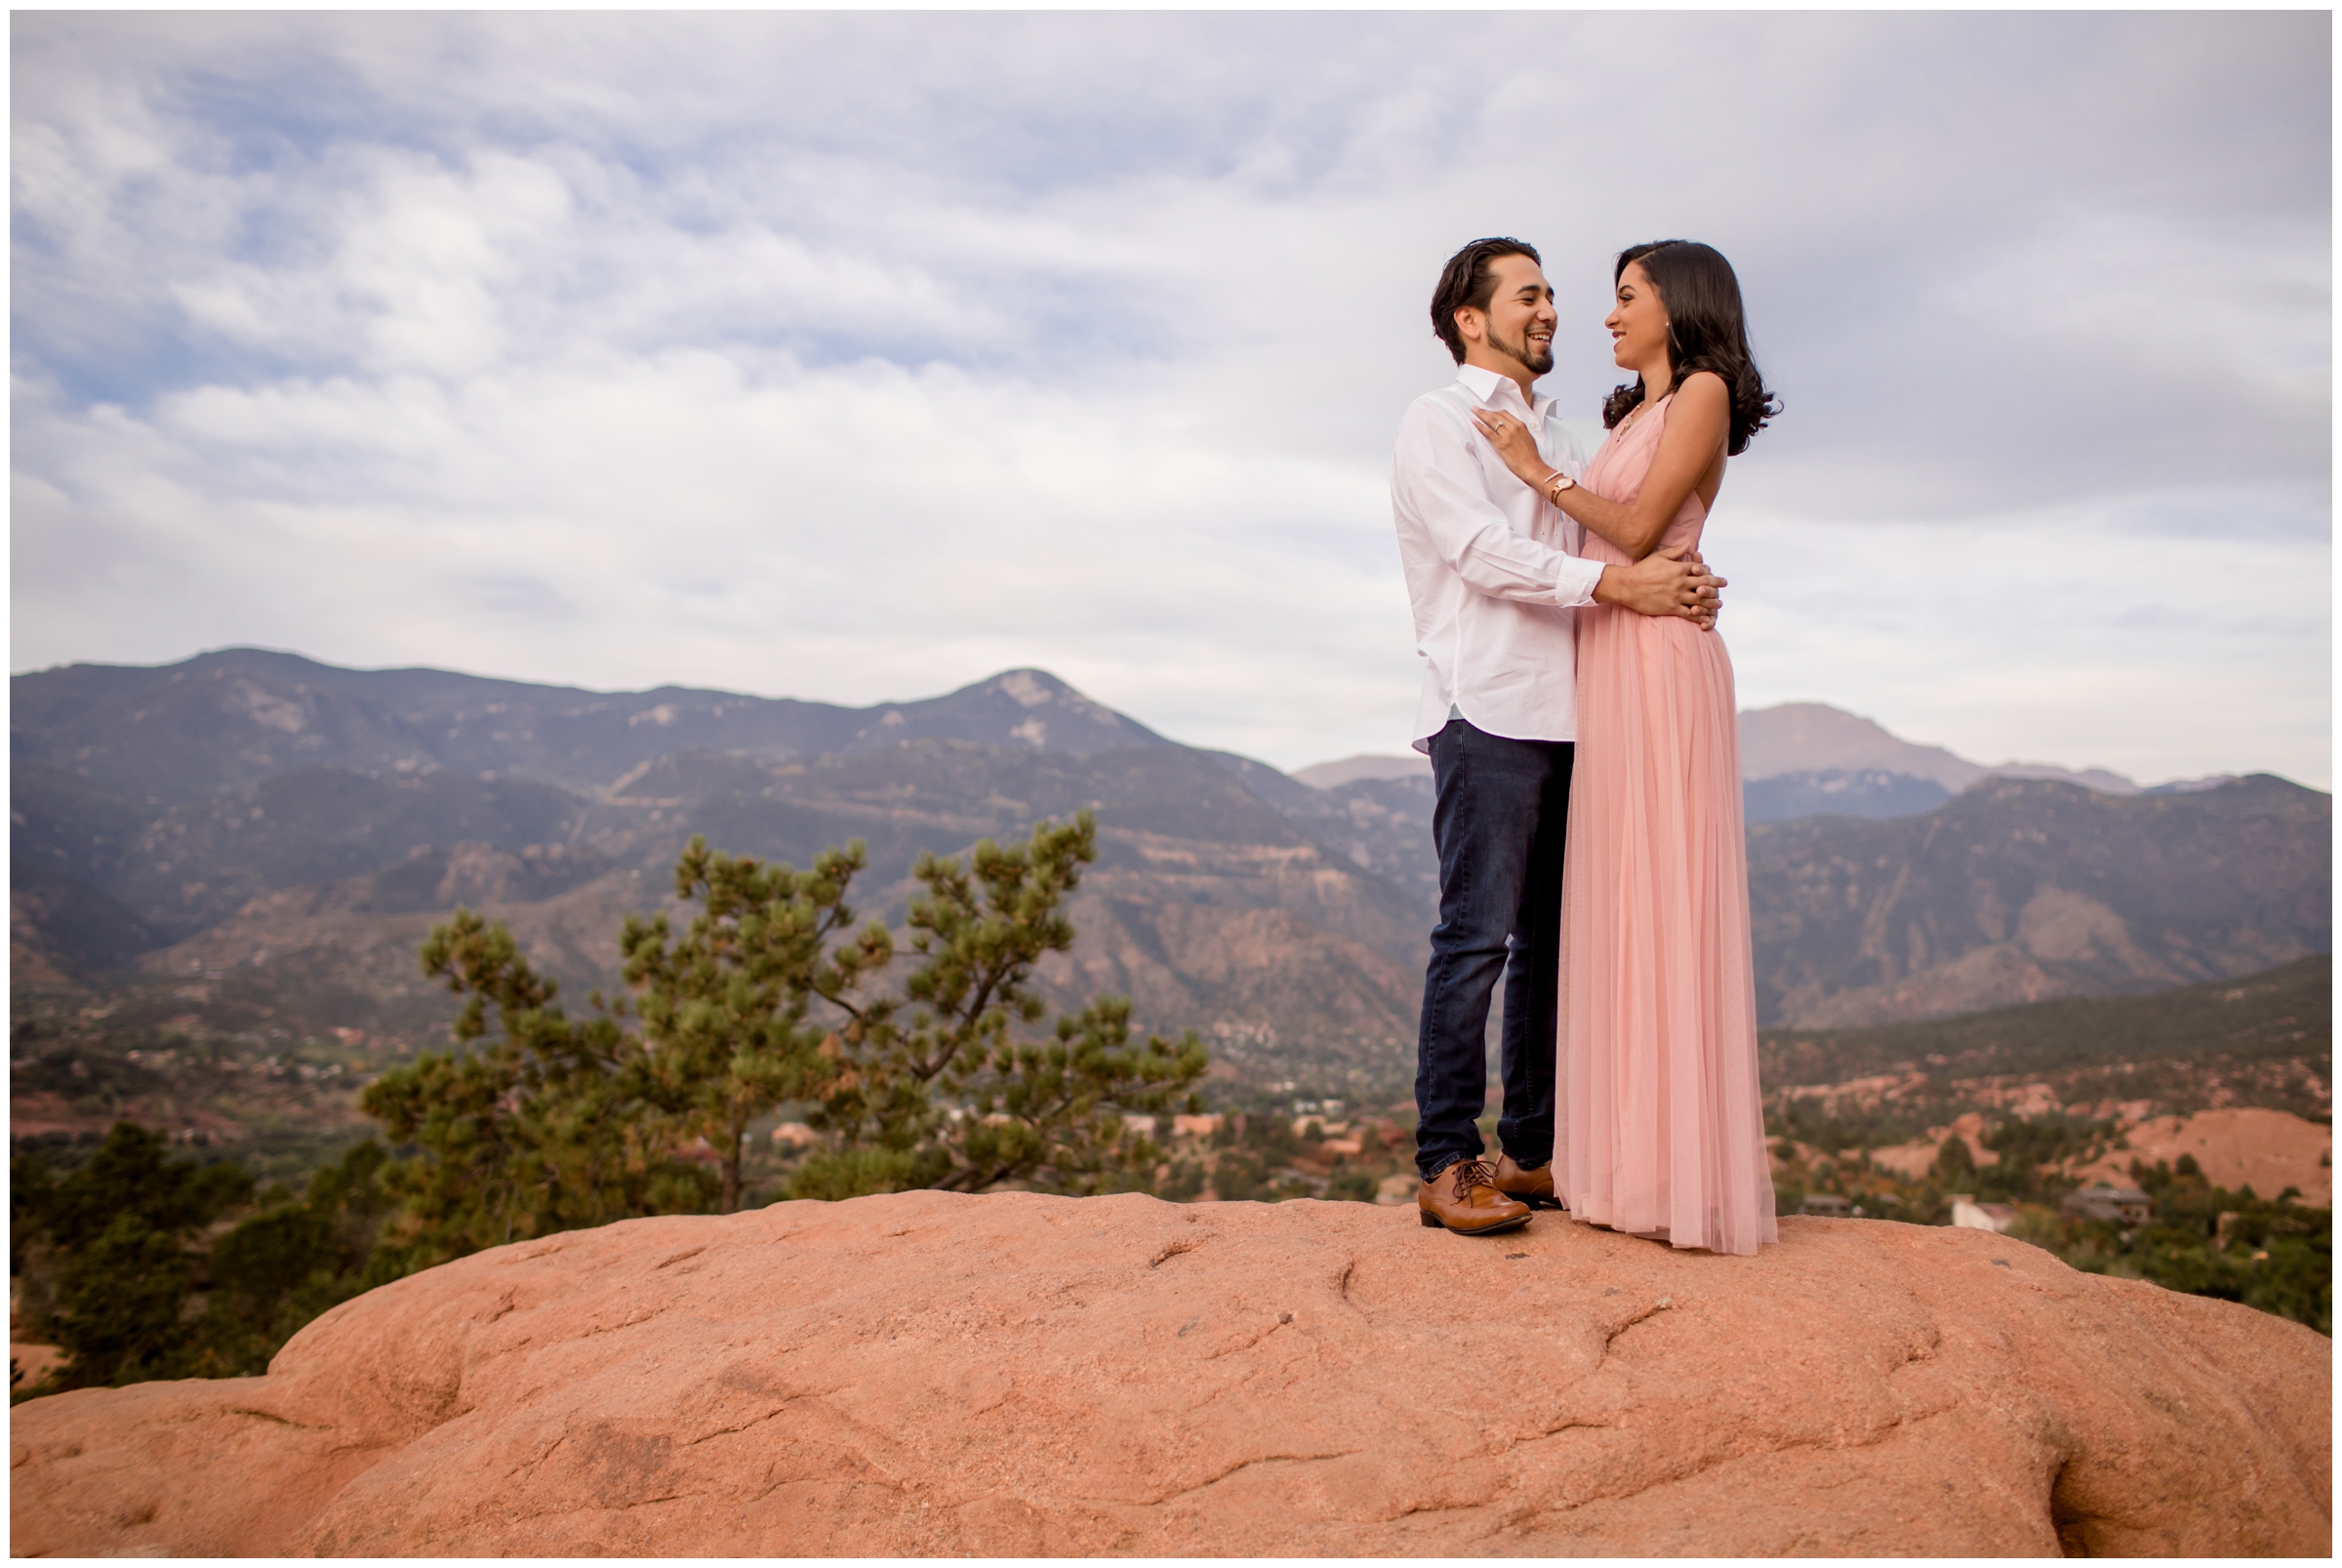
<point>1704,389</point>
<point>1702,407</point>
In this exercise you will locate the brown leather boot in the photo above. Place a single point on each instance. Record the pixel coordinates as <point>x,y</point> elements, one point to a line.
<point>1533,1186</point>
<point>1460,1200</point>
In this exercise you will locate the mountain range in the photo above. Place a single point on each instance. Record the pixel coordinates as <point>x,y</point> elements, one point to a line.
<point>253,844</point>
<point>1809,759</point>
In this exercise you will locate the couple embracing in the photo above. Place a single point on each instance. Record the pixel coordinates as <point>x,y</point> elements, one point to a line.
<point>1579,714</point>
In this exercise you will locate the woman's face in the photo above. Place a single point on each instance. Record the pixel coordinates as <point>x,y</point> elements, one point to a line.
<point>1638,323</point>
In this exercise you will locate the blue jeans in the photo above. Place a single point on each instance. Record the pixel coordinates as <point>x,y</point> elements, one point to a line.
<point>1501,813</point>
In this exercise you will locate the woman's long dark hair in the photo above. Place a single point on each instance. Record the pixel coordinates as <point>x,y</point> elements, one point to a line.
<point>1705,331</point>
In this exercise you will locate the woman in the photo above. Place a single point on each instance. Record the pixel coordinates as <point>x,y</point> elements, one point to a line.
<point>1661,1130</point>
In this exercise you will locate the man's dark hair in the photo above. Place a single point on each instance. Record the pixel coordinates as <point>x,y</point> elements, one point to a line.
<point>1468,281</point>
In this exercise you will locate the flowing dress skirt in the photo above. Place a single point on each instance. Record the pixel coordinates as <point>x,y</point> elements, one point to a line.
<point>1661,1125</point>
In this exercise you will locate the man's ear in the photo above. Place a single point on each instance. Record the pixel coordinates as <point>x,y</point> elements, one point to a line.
<point>1473,322</point>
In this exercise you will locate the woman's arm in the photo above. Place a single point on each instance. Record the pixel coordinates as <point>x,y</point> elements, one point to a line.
<point>1697,425</point>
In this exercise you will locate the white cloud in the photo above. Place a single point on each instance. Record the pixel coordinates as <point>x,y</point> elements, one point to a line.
<point>858,357</point>
<point>2088,655</point>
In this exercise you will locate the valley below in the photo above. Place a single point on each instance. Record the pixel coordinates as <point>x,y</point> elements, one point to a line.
<point>1983,996</point>
<point>222,873</point>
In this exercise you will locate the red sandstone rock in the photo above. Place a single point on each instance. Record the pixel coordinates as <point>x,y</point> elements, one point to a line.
<point>2268,1151</point>
<point>1022,1375</point>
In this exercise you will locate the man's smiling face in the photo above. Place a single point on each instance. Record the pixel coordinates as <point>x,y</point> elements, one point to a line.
<point>1519,323</point>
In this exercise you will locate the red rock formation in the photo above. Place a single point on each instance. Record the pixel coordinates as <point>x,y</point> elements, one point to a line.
<point>2267,1150</point>
<point>1020,1375</point>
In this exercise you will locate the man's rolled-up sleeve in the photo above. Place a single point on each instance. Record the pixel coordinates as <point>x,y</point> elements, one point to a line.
<point>1441,479</point>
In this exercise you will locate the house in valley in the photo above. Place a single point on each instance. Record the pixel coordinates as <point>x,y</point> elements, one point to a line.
<point>2116,1205</point>
<point>1971,1215</point>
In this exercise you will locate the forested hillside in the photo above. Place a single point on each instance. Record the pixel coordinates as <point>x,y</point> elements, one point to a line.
<point>240,854</point>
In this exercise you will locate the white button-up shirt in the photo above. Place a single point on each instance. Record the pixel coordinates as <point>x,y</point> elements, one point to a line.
<point>1492,566</point>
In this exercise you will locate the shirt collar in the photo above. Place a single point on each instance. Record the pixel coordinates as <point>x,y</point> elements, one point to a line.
<point>1489,387</point>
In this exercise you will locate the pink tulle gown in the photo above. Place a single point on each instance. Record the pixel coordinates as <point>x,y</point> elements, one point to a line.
<point>1661,1129</point>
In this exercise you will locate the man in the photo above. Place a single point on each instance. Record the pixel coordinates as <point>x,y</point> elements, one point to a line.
<point>1493,575</point>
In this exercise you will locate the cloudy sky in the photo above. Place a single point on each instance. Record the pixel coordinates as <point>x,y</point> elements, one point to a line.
<point>858,357</point>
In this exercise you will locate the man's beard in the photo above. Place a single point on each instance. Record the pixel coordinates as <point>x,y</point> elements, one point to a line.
<point>1539,360</point>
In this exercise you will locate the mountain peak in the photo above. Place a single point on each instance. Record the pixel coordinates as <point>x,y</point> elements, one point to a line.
<point>233,716</point>
<point>1349,769</point>
<point>1048,713</point>
<point>1027,687</point>
<point>1030,687</point>
<point>1815,737</point>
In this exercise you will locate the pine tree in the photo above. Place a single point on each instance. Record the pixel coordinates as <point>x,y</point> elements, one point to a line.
<point>772,995</point>
<point>934,1088</point>
<point>723,1008</point>
<point>539,1125</point>
<point>124,1322</point>
<point>104,1254</point>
